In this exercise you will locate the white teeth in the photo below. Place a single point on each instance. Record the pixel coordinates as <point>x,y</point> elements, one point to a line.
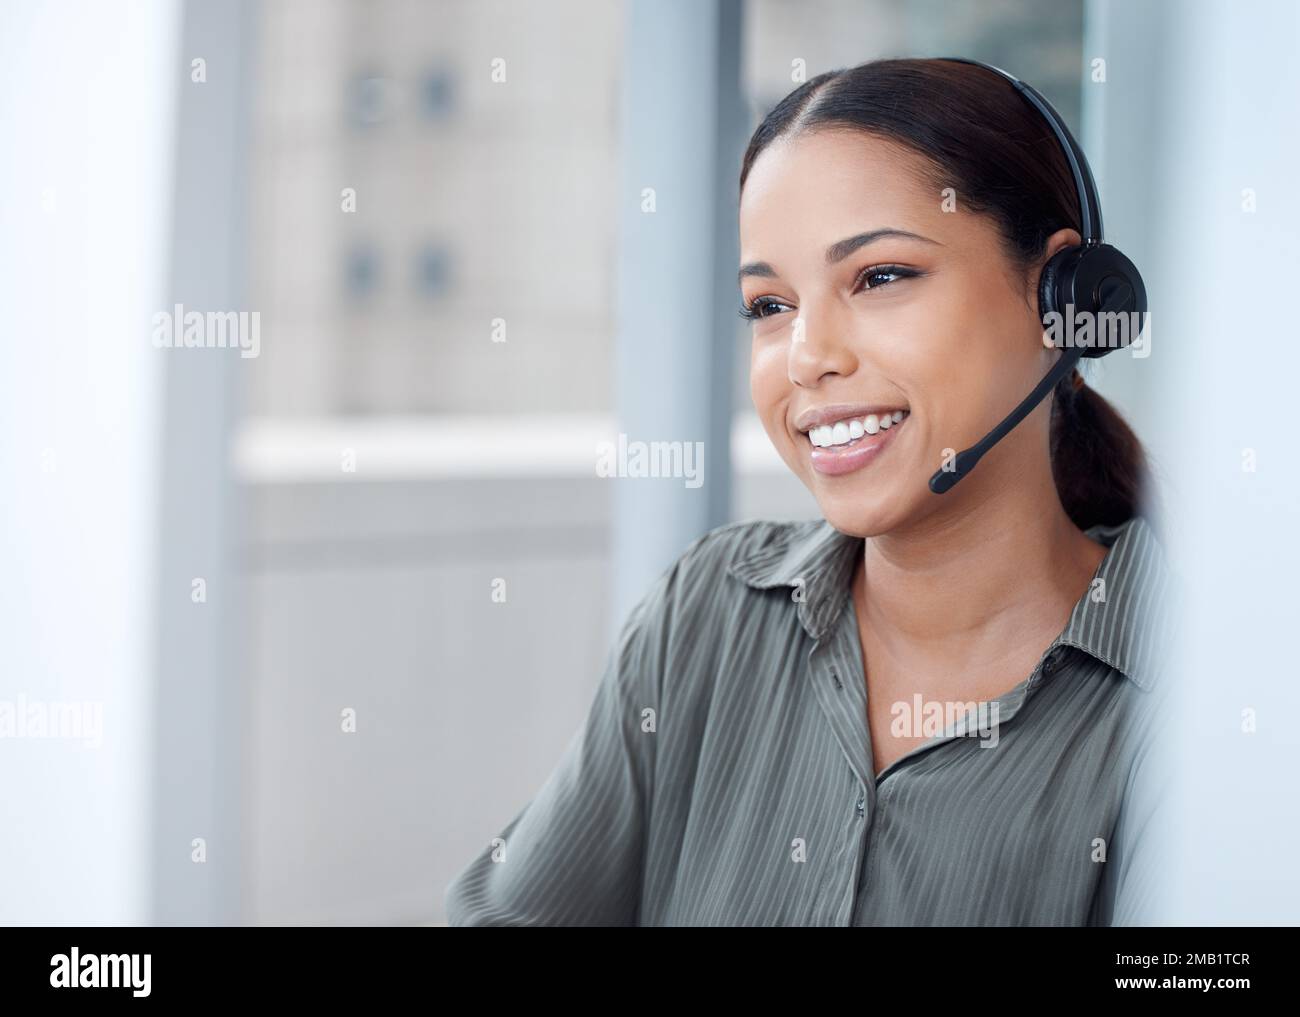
<point>844,431</point>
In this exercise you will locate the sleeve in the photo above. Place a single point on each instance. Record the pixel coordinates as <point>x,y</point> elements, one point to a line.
<point>575,854</point>
<point>1133,885</point>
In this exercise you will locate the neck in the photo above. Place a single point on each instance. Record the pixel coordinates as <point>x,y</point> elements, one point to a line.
<point>961,586</point>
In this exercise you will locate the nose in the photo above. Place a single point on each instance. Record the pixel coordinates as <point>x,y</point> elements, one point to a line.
<point>818,349</point>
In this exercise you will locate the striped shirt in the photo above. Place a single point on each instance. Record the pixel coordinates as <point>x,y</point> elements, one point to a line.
<point>723,775</point>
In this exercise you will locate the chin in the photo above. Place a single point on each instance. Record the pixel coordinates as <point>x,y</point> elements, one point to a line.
<point>862,503</point>
<point>860,516</point>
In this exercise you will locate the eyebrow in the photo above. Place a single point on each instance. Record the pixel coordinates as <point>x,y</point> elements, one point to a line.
<point>837,252</point>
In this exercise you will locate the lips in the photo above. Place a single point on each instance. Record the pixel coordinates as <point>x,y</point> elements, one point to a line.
<point>852,453</point>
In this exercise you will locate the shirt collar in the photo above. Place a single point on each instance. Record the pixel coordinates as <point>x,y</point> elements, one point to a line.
<point>1122,619</point>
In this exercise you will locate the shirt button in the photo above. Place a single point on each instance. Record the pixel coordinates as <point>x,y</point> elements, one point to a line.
<point>1053,661</point>
<point>862,802</point>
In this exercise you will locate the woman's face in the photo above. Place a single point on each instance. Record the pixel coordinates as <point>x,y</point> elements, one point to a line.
<point>859,321</point>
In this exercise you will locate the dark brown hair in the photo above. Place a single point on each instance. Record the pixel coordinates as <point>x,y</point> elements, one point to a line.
<point>1002,159</point>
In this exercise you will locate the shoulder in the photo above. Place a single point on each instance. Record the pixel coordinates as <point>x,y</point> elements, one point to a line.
<point>734,548</point>
<point>705,583</point>
<point>1128,617</point>
<point>673,636</point>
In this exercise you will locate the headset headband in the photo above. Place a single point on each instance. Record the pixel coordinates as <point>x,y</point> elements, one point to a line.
<point>1089,205</point>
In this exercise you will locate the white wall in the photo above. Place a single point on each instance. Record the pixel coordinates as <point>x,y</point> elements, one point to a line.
<point>1204,102</point>
<point>86,100</point>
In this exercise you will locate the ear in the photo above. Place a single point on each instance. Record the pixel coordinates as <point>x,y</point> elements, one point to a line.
<point>1056,243</point>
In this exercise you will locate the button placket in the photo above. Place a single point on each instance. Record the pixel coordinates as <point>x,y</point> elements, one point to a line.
<point>841,700</point>
<point>867,865</point>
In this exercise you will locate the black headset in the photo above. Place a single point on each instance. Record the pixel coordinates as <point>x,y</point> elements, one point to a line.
<point>1091,277</point>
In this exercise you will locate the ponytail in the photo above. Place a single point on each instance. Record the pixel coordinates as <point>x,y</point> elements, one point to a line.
<point>1098,464</point>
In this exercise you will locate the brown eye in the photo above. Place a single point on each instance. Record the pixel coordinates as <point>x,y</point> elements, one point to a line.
<point>876,276</point>
<point>757,308</point>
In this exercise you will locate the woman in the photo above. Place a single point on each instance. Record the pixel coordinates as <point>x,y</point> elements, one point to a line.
<point>920,709</point>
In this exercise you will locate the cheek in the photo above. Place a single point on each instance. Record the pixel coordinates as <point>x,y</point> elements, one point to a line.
<point>770,388</point>
<point>923,357</point>
<point>914,359</point>
<point>769,378</point>
<point>938,328</point>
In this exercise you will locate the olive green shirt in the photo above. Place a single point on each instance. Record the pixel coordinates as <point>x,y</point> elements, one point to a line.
<point>724,776</point>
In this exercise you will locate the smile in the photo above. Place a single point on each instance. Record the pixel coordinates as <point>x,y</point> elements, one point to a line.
<point>852,443</point>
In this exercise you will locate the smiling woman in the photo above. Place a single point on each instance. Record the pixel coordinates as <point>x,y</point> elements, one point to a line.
<point>758,751</point>
<point>938,291</point>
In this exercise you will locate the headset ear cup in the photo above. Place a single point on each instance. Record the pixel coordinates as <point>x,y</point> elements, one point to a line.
<point>1050,298</point>
<point>1104,281</point>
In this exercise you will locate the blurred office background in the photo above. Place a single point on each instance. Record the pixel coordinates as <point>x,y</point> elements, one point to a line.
<point>437,209</point>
